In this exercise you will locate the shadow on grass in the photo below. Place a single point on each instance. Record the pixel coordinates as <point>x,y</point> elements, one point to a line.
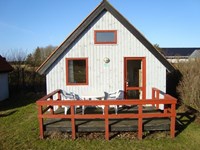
<point>183,120</point>
<point>8,113</point>
<point>20,99</point>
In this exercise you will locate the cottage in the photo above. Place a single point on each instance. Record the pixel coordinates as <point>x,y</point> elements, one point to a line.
<point>106,53</point>
<point>5,68</point>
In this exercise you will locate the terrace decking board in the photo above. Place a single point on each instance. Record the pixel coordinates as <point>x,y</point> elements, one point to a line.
<point>98,125</point>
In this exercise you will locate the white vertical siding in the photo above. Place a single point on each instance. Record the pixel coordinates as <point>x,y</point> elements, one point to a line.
<point>106,77</point>
<point>4,93</point>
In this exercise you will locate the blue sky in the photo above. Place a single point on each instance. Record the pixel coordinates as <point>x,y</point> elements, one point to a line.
<point>26,24</point>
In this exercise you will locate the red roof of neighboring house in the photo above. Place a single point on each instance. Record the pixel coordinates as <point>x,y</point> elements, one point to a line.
<point>4,65</point>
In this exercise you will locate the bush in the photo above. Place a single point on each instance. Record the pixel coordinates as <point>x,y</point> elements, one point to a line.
<point>189,85</point>
<point>25,78</point>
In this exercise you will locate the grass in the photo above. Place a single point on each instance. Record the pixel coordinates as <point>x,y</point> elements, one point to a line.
<point>19,130</point>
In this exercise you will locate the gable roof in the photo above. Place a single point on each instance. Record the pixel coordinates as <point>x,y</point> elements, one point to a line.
<point>179,51</point>
<point>195,54</point>
<point>104,5</point>
<point>4,65</point>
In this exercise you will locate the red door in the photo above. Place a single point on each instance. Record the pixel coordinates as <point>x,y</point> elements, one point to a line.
<point>135,77</point>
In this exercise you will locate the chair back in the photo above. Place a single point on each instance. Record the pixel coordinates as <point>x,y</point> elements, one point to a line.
<point>75,96</point>
<point>119,94</point>
<point>66,95</point>
<point>116,95</point>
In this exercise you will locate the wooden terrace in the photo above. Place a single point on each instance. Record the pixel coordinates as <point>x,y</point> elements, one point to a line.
<point>135,115</point>
<point>115,125</point>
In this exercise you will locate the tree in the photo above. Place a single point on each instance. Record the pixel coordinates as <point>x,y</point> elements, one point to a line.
<point>24,77</point>
<point>46,51</point>
<point>37,57</point>
<point>29,59</point>
<point>17,59</point>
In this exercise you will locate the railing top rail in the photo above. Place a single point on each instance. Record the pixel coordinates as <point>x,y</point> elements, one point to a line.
<point>106,102</point>
<point>167,96</point>
<point>49,95</point>
<point>159,91</point>
<point>168,99</point>
<point>156,89</point>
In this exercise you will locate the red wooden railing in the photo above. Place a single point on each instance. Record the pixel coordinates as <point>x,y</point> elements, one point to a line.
<point>47,103</point>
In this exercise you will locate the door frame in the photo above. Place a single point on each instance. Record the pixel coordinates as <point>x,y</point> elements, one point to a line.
<point>143,88</point>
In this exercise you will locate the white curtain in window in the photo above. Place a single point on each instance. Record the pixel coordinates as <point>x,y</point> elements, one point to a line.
<point>71,71</point>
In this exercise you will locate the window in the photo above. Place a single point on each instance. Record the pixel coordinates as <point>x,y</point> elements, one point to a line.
<point>77,71</point>
<point>105,37</point>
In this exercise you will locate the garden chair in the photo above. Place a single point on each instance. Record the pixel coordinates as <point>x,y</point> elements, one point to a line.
<point>115,96</point>
<point>69,96</point>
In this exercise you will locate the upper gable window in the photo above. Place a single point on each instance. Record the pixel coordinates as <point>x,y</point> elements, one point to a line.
<point>105,37</point>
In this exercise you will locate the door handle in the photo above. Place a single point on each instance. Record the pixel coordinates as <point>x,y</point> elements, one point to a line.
<point>126,83</point>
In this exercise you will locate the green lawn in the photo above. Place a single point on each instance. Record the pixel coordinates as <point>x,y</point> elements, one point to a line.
<point>19,130</point>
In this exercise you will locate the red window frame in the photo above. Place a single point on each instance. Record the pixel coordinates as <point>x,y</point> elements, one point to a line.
<point>67,79</point>
<point>113,31</point>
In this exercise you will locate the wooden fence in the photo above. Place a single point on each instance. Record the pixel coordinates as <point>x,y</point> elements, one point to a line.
<point>47,103</point>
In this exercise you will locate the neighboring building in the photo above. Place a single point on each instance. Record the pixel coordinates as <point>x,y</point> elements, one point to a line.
<point>106,53</point>
<point>175,55</point>
<point>5,68</point>
<point>195,54</point>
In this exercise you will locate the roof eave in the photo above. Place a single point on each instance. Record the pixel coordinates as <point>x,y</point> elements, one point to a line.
<point>45,65</point>
<point>140,37</point>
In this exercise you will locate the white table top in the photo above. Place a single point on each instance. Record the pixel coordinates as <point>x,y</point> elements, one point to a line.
<point>93,95</point>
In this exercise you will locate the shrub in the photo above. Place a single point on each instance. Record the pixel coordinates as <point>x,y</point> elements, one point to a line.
<point>189,85</point>
<point>25,78</point>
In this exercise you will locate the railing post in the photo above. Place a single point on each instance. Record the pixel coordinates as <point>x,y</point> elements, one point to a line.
<point>40,119</point>
<point>153,96</point>
<point>157,97</point>
<point>173,120</point>
<point>73,123</point>
<point>59,98</point>
<point>106,123</point>
<point>140,124</point>
<point>51,108</point>
<point>59,95</point>
<point>153,93</point>
<point>165,107</point>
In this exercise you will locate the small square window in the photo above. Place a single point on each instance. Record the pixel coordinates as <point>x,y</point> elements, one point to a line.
<point>105,37</point>
<point>77,71</point>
